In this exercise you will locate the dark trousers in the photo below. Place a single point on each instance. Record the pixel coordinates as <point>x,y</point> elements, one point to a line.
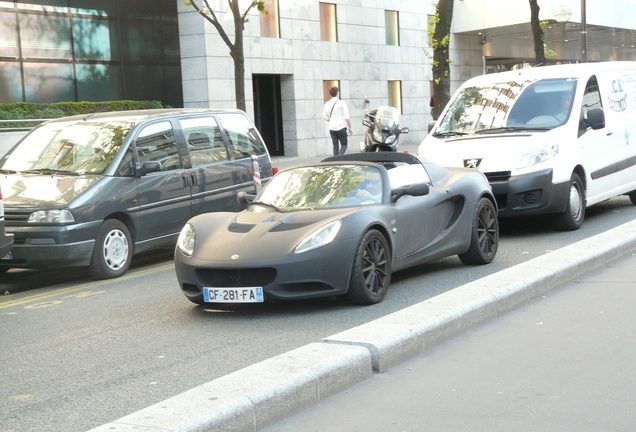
<point>341,136</point>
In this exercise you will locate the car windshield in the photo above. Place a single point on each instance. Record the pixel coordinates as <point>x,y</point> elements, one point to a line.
<point>68,147</point>
<point>509,106</point>
<point>321,187</point>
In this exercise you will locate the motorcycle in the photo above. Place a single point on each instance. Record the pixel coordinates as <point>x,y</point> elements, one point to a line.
<point>383,129</point>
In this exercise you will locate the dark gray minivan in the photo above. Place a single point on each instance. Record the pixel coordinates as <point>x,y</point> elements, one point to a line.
<point>92,190</point>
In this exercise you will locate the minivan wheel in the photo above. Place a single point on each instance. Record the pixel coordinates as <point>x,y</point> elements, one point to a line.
<point>112,252</point>
<point>572,218</point>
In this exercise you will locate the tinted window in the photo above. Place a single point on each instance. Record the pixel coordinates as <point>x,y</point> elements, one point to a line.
<point>156,143</point>
<point>244,140</point>
<point>205,143</point>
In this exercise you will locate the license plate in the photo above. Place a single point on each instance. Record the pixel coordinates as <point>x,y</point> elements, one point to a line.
<point>233,295</point>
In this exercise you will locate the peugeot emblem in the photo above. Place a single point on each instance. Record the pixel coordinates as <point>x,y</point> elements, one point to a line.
<point>471,163</point>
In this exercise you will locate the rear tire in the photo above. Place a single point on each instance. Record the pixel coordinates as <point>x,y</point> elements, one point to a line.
<point>484,240</point>
<point>572,218</point>
<point>113,250</point>
<point>371,272</point>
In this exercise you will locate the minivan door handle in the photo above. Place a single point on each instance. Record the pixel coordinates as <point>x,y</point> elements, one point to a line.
<point>186,182</point>
<point>193,179</point>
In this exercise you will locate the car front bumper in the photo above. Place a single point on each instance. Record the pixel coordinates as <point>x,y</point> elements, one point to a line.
<point>529,194</point>
<point>323,272</point>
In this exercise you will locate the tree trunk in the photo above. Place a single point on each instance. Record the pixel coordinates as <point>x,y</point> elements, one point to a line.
<point>537,33</point>
<point>441,54</point>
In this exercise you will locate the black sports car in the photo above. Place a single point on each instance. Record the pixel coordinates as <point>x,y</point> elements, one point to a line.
<point>339,227</point>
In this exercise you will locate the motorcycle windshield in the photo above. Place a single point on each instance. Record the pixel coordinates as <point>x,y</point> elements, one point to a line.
<point>387,118</point>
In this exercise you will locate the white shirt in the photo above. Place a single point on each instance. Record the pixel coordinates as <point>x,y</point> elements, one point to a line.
<point>339,116</point>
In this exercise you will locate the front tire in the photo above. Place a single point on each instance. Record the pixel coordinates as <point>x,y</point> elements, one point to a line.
<point>113,252</point>
<point>371,272</point>
<point>484,240</point>
<point>572,218</point>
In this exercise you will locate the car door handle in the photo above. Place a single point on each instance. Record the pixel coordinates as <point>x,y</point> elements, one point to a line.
<point>193,178</point>
<point>186,182</point>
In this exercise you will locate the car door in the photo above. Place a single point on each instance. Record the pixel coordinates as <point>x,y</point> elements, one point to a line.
<point>163,196</point>
<point>421,220</point>
<point>214,177</point>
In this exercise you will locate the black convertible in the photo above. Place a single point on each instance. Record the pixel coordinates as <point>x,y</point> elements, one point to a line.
<point>339,227</point>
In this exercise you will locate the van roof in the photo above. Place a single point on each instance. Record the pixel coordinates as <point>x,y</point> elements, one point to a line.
<point>574,70</point>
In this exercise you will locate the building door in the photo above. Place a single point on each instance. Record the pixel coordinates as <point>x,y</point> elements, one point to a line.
<point>268,113</point>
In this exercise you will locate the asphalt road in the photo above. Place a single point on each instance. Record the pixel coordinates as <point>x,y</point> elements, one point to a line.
<point>80,353</point>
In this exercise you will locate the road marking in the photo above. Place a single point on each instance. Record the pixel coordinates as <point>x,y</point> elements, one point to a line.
<point>68,292</point>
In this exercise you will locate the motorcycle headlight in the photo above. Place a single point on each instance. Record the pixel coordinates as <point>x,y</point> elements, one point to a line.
<point>390,139</point>
<point>187,240</point>
<point>319,238</point>
<point>51,217</point>
<point>539,154</point>
<point>377,136</point>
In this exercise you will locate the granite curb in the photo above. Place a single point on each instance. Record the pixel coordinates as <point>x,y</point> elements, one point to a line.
<point>262,394</point>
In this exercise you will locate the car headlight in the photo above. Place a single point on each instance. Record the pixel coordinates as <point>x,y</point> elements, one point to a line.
<point>51,217</point>
<point>539,154</point>
<point>319,238</point>
<point>187,239</point>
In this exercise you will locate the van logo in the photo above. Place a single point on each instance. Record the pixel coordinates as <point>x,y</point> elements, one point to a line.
<point>471,163</point>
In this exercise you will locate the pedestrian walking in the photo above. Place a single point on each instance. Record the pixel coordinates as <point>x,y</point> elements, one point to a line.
<point>336,113</point>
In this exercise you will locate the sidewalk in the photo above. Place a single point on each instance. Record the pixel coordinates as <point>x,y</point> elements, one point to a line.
<point>562,363</point>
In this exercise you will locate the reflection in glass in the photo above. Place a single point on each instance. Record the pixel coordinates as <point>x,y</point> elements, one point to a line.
<point>328,29</point>
<point>45,36</point>
<point>315,188</point>
<point>9,39</point>
<point>10,82</point>
<point>48,82</point>
<point>85,148</point>
<point>95,39</point>
<point>97,82</point>
<point>392,29</point>
<point>523,105</point>
<point>269,22</point>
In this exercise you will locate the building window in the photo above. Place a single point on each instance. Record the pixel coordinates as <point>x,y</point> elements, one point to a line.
<point>392,28</point>
<point>270,26</point>
<point>326,85</point>
<point>395,94</point>
<point>328,28</point>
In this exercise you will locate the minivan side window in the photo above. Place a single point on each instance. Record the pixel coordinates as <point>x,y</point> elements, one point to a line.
<point>205,144</point>
<point>156,142</point>
<point>244,140</point>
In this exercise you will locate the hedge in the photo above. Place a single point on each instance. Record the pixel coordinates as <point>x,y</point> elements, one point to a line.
<point>26,110</point>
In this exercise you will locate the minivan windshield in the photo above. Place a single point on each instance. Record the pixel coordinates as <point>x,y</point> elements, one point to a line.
<point>509,106</point>
<point>68,148</point>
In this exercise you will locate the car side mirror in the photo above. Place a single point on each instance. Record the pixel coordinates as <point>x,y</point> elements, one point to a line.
<point>245,198</point>
<point>148,167</point>
<point>417,189</point>
<point>596,118</point>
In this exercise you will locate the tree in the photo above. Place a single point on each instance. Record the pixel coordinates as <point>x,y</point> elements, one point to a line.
<point>441,61</point>
<point>236,47</point>
<point>537,34</point>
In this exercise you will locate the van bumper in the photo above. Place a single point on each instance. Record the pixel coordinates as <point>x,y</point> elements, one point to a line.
<point>530,194</point>
<point>44,247</point>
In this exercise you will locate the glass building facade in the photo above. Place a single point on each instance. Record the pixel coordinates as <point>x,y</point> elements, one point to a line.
<point>90,50</point>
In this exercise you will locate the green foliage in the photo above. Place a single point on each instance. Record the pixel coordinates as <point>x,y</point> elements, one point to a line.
<point>27,110</point>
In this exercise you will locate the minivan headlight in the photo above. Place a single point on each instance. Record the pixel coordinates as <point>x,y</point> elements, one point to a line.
<point>539,154</point>
<point>187,240</point>
<point>319,238</point>
<point>51,217</point>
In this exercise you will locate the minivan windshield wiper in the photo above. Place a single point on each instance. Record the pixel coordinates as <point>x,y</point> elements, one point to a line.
<point>49,171</point>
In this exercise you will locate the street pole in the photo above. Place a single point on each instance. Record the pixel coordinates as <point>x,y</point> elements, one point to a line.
<point>583,33</point>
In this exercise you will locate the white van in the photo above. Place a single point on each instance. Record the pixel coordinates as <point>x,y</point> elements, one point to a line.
<point>551,140</point>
